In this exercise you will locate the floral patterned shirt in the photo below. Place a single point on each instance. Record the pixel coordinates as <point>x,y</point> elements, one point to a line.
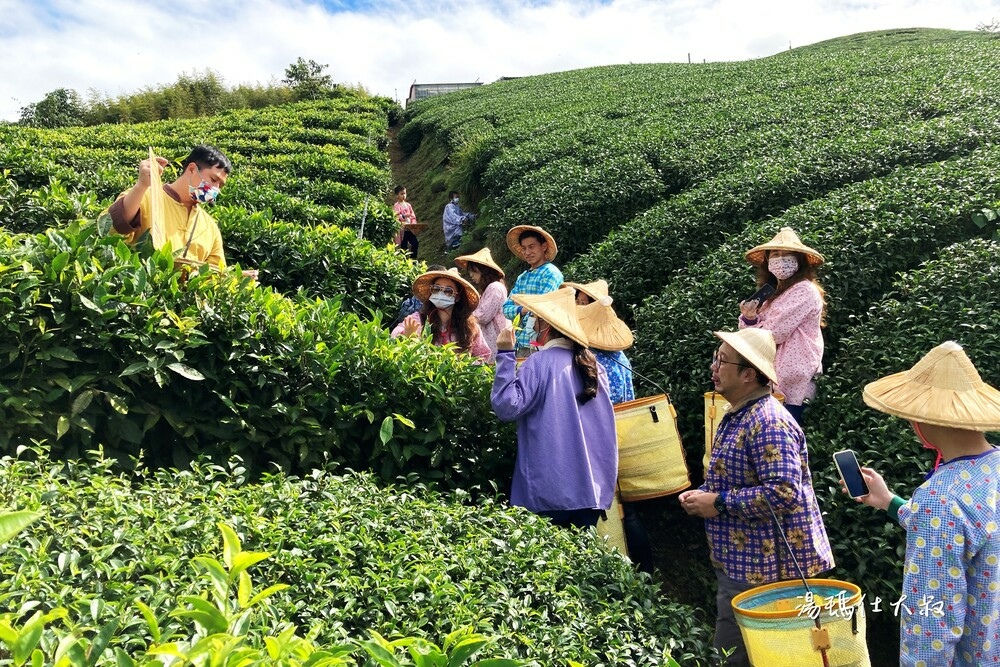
<point>759,450</point>
<point>619,371</point>
<point>951,611</point>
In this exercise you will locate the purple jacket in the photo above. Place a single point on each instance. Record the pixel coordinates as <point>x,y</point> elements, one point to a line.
<point>567,453</point>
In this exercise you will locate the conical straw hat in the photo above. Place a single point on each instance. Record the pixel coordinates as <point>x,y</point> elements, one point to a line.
<point>422,285</point>
<point>756,346</point>
<point>786,239</point>
<point>595,290</point>
<point>558,308</point>
<point>515,245</point>
<point>603,328</point>
<point>943,389</point>
<point>484,257</point>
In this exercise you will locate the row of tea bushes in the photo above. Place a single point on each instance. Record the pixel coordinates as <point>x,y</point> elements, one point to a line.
<point>321,260</point>
<point>349,556</point>
<point>307,163</point>
<point>583,152</point>
<point>107,346</point>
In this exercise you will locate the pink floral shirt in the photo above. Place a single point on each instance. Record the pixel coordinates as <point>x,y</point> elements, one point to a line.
<point>793,319</point>
<point>478,348</point>
<point>405,214</point>
<point>489,313</point>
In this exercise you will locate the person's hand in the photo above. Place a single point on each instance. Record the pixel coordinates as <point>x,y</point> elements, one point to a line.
<point>505,339</point>
<point>699,503</point>
<point>250,273</point>
<point>411,325</point>
<point>879,496</point>
<point>145,176</point>
<point>749,309</point>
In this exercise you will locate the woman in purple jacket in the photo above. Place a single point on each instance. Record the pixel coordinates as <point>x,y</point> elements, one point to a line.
<point>567,446</point>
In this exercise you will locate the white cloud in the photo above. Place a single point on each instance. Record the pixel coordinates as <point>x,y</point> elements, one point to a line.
<point>117,47</point>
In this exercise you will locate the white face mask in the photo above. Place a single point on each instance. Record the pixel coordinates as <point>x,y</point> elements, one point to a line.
<point>454,200</point>
<point>783,267</point>
<point>442,301</point>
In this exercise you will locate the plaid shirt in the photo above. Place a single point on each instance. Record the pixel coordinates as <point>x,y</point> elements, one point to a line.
<point>758,450</point>
<point>546,278</point>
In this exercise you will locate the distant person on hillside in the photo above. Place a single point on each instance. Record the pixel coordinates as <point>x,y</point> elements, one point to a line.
<point>405,238</point>
<point>535,246</point>
<point>950,611</point>
<point>488,279</point>
<point>412,303</point>
<point>449,301</point>
<point>454,217</point>
<point>567,444</point>
<point>191,231</point>
<point>793,313</point>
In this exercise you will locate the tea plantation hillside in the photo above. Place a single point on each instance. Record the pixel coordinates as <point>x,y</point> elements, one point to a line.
<point>106,346</point>
<point>880,149</point>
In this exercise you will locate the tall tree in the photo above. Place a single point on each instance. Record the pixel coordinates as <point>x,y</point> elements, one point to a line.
<point>60,108</point>
<point>306,78</point>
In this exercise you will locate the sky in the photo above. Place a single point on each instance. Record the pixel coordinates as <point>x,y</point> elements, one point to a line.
<point>115,47</point>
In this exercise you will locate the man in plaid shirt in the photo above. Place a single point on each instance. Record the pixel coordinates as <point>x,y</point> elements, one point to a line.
<point>536,247</point>
<point>759,458</point>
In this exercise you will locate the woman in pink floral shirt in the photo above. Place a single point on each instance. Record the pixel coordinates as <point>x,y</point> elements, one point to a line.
<point>793,314</point>
<point>488,279</point>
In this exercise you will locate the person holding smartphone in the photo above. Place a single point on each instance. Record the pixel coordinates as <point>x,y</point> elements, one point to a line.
<point>952,521</point>
<point>790,304</point>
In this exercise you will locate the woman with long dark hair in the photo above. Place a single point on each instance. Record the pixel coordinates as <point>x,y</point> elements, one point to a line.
<point>793,313</point>
<point>488,279</point>
<point>449,301</point>
<point>567,446</point>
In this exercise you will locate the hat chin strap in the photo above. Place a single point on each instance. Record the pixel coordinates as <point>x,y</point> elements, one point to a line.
<point>927,444</point>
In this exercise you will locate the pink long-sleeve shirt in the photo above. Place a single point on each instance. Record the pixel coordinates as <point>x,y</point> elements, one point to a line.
<point>489,313</point>
<point>793,318</point>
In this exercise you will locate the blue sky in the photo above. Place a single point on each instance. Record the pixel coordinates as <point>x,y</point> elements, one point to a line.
<point>115,47</point>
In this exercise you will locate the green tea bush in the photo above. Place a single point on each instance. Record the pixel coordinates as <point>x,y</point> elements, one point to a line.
<point>323,261</point>
<point>352,557</point>
<point>106,346</point>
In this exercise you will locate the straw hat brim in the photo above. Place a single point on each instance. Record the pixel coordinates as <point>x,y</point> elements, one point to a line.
<point>558,308</point>
<point>483,257</point>
<point>515,246</point>
<point>595,290</point>
<point>943,389</point>
<point>785,239</point>
<point>754,356</point>
<point>603,328</point>
<point>422,286</point>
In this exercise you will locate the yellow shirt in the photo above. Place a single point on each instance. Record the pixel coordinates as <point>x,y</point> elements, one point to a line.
<point>181,226</point>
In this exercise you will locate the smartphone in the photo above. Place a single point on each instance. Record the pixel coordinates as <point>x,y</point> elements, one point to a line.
<point>760,296</point>
<point>850,472</point>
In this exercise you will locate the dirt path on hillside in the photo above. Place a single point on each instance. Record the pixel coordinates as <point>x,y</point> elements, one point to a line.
<point>421,174</point>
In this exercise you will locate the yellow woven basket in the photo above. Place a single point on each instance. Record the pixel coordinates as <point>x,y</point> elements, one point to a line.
<point>650,455</point>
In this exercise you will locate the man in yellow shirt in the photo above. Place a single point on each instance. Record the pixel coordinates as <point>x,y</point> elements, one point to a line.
<point>191,231</point>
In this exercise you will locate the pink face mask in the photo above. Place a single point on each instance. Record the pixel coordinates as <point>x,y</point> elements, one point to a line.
<point>928,444</point>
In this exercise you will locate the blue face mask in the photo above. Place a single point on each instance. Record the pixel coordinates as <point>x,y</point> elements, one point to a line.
<point>205,193</point>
